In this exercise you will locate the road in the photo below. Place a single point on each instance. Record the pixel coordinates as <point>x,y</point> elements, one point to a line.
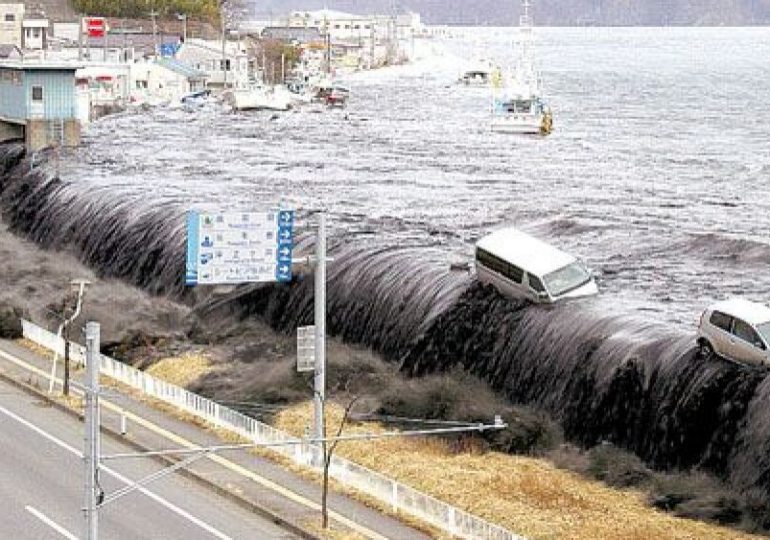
<point>42,494</point>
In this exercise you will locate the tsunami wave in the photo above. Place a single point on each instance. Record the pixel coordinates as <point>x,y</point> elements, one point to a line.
<point>605,375</point>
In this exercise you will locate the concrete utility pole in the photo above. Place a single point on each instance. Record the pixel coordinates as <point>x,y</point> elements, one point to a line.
<point>154,14</point>
<point>319,380</point>
<point>92,449</point>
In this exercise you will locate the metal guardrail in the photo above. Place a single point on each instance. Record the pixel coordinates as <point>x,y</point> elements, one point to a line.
<point>399,497</point>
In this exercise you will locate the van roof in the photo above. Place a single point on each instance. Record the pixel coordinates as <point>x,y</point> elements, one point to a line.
<point>751,312</point>
<point>528,252</point>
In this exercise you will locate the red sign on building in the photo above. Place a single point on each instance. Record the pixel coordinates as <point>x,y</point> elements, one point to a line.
<point>95,27</point>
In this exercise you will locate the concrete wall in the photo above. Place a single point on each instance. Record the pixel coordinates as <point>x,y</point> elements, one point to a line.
<point>40,134</point>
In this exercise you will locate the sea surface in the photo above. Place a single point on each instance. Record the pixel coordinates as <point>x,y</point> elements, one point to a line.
<point>657,173</point>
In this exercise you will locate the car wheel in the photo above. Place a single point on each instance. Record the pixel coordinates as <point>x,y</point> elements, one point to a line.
<point>705,350</point>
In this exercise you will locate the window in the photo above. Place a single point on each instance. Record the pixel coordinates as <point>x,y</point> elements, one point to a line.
<point>747,333</point>
<point>498,265</point>
<point>567,279</point>
<point>535,283</point>
<point>37,93</point>
<point>764,331</point>
<point>10,17</point>
<point>720,320</point>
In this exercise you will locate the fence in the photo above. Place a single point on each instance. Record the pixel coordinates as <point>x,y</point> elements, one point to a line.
<point>399,497</point>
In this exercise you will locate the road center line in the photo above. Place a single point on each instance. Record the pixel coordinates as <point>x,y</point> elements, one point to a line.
<point>51,523</point>
<point>157,498</point>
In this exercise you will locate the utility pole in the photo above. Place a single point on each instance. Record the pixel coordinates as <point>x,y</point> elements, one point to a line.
<point>154,14</point>
<point>224,50</point>
<point>92,449</point>
<point>319,379</point>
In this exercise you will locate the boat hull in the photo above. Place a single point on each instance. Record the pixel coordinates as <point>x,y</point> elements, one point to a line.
<point>541,124</point>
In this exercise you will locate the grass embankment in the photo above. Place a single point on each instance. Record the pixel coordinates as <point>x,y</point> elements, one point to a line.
<point>529,496</point>
<point>181,370</point>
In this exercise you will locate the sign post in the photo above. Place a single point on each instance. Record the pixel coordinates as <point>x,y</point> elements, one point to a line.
<point>319,379</point>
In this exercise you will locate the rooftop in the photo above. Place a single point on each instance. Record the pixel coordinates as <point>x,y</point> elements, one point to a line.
<point>30,65</point>
<point>528,252</point>
<point>751,312</point>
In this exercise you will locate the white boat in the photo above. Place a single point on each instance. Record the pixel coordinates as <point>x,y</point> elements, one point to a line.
<point>258,96</point>
<point>518,106</point>
<point>479,73</point>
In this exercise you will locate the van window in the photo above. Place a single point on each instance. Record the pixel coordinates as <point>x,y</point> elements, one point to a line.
<point>514,273</point>
<point>535,283</point>
<point>567,279</point>
<point>720,320</point>
<point>746,333</point>
<point>496,264</point>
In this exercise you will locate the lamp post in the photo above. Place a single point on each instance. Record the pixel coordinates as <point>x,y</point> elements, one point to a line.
<point>79,286</point>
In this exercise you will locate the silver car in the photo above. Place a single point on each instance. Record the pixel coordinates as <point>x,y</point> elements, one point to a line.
<point>736,329</point>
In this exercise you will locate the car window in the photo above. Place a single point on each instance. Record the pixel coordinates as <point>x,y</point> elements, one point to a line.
<point>720,320</point>
<point>514,273</point>
<point>764,331</point>
<point>746,333</point>
<point>535,283</point>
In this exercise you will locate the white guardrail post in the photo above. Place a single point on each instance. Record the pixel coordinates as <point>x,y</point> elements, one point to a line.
<point>421,505</point>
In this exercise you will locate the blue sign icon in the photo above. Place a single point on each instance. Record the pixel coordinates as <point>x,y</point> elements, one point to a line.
<point>283,272</point>
<point>285,218</point>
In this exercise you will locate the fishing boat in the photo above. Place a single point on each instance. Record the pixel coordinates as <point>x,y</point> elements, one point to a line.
<point>258,96</point>
<point>478,74</point>
<point>518,106</point>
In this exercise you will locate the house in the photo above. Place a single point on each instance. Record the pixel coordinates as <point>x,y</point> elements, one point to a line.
<point>339,25</point>
<point>38,104</point>
<point>228,68</point>
<point>165,79</point>
<point>11,16</point>
<point>10,52</point>
<point>34,32</point>
<point>293,34</point>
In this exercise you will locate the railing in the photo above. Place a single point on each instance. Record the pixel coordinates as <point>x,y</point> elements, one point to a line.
<point>398,497</point>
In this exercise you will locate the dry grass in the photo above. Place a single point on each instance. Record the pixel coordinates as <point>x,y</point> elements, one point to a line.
<point>529,496</point>
<point>181,370</point>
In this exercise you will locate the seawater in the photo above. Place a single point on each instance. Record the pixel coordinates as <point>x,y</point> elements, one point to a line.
<point>657,173</point>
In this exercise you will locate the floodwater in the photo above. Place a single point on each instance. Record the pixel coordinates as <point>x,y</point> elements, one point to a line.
<point>656,174</point>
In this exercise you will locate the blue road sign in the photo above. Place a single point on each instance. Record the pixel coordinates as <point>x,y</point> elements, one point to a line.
<point>239,247</point>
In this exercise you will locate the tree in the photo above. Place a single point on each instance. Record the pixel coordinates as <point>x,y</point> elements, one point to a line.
<point>328,452</point>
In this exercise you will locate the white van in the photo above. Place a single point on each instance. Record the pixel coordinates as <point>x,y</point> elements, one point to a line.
<point>521,266</point>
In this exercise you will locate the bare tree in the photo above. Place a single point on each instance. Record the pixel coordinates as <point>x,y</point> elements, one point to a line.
<point>328,452</point>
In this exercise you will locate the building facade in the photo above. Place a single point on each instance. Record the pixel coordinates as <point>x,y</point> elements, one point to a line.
<point>11,18</point>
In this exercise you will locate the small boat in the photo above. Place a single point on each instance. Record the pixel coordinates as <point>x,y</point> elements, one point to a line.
<point>479,74</point>
<point>259,97</point>
<point>518,106</point>
<point>332,94</point>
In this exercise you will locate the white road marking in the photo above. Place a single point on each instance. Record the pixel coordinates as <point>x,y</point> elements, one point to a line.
<point>157,498</point>
<point>51,523</point>
<point>173,437</point>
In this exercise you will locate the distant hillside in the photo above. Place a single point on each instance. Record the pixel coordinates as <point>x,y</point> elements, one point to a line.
<point>549,12</point>
<point>59,10</point>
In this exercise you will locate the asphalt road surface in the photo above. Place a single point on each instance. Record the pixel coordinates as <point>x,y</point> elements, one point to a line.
<point>42,486</point>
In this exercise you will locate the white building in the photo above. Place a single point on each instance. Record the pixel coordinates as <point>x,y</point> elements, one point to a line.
<point>229,69</point>
<point>35,33</point>
<point>11,17</point>
<point>165,79</point>
<point>339,25</point>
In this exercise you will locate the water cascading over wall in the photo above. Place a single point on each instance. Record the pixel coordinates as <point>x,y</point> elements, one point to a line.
<point>605,377</point>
